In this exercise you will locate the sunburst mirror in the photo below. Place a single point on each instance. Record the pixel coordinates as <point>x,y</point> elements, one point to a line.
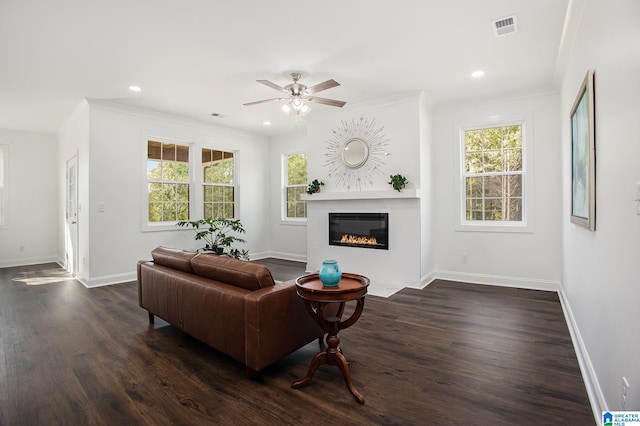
<point>355,152</point>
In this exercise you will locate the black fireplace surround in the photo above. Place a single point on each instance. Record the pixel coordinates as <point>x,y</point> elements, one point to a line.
<point>365,230</point>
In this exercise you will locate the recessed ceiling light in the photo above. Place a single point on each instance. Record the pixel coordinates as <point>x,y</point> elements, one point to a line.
<point>266,123</point>
<point>477,74</point>
<point>135,88</point>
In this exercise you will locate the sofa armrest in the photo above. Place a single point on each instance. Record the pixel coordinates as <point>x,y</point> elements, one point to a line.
<point>277,323</point>
<point>139,271</point>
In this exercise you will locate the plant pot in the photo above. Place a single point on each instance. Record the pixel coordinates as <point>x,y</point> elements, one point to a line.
<point>330,273</point>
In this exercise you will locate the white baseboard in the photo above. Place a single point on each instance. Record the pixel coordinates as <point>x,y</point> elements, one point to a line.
<point>108,279</point>
<point>503,281</point>
<point>25,261</point>
<point>594,392</point>
<point>279,255</point>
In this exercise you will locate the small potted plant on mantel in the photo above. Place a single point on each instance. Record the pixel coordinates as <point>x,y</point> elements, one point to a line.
<point>217,235</point>
<point>314,186</point>
<point>398,182</point>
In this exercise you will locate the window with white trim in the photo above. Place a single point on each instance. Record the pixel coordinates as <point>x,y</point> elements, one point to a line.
<point>493,175</point>
<point>168,178</point>
<point>4,182</point>
<point>295,184</point>
<point>218,184</point>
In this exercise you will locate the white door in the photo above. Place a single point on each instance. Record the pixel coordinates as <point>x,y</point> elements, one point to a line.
<point>71,228</point>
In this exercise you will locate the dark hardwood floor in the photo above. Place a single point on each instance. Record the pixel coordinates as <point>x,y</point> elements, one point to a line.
<point>451,354</point>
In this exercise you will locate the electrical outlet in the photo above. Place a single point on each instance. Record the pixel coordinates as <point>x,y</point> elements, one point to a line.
<point>625,393</point>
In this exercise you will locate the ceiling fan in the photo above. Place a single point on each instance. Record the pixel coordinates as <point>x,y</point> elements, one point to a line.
<point>298,93</point>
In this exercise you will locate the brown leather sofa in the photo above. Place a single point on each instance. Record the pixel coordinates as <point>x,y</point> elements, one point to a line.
<point>232,305</point>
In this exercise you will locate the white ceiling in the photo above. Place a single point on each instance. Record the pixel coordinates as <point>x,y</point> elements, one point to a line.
<point>196,57</point>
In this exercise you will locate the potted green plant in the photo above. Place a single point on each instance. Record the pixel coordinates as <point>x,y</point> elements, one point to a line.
<point>218,235</point>
<point>314,186</point>
<point>398,182</point>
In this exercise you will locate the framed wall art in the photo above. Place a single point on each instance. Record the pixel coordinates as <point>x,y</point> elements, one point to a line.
<point>583,156</point>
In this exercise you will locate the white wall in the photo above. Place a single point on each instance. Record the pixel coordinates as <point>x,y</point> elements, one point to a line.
<point>30,233</point>
<point>116,167</point>
<point>288,240</point>
<point>427,243</point>
<point>601,269</point>
<point>528,260</point>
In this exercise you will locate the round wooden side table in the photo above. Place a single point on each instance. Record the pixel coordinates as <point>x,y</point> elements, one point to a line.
<point>326,306</point>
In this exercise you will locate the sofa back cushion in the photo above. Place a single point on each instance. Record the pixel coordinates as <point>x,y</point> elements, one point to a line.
<point>250,276</point>
<point>173,258</point>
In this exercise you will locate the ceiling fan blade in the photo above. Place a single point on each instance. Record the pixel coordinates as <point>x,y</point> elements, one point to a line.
<point>326,101</point>
<point>274,86</point>
<point>322,86</point>
<point>264,101</point>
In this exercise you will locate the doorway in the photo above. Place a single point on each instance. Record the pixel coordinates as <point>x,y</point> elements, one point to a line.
<point>71,216</point>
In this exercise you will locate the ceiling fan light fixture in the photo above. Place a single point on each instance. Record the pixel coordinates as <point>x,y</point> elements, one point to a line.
<point>297,104</point>
<point>294,108</point>
<point>299,95</point>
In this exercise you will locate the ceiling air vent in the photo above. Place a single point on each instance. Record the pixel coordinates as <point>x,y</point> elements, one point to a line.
<point>504,26</point>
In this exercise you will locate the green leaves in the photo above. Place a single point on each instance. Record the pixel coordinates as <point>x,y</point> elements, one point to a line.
<point>218,234</point>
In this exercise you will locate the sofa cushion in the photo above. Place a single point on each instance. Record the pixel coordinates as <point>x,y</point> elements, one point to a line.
<point>250,276</point>
<point>173,258</point>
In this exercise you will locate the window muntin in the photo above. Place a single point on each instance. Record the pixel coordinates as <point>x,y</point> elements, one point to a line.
<point>168,180</point>
<point>295,184</point>
<point>218,183</point>
<point>493,174</point>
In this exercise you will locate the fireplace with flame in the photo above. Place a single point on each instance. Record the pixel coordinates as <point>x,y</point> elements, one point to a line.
<point>366,230</point>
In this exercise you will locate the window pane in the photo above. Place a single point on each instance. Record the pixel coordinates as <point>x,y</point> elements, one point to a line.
<point>155,192</point>
<point>208,210</point>
<point>154,169</point>
<point>167,163</point>
<point>492,138</point>
<point>182,192</point>
<point>217,210</point>
<point>297,169</point>
<point>228,193</point>
<point>229,210</point>
<point>474,187</point>
<point>473,140</point>
<point>182,153</point>
<point>154,150</point>
<point>513,159</point>
<point>513,186</point>
<point>217,193</point>
<point>493,161</point>
<point>491,156</point>
<point>493,186</point>
<point>513,136</point>
<point>207,193</point>
<point>493,209</point>
<point>514,209</point>
<point>474,209</point>
<point>217,166</point>
<point>169,211</point>
<point>296,184</point>
<point>183,211</point>
<point>473,162</point>
<point>155,212</point>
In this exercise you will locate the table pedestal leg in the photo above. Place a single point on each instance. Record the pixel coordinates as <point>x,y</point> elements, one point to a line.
<point>331,356</point>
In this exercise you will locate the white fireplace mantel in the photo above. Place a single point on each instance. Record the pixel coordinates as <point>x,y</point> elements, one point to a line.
<point>361,195</point>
